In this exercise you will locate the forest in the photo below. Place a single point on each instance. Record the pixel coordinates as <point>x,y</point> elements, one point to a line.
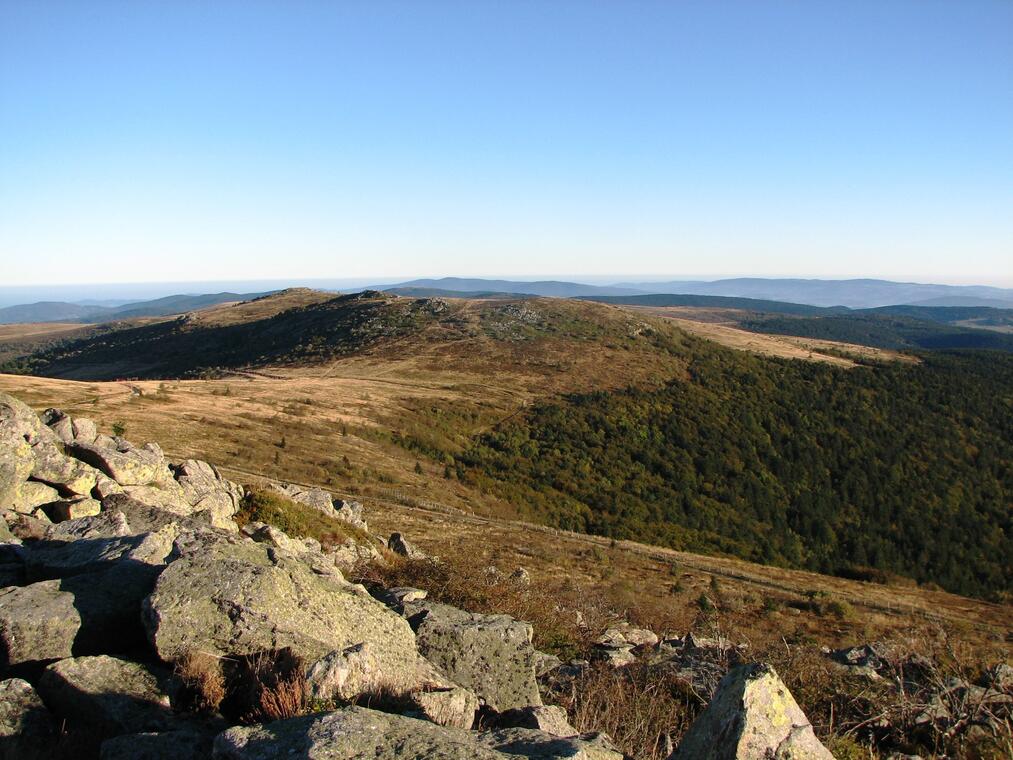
<point>900,468</point>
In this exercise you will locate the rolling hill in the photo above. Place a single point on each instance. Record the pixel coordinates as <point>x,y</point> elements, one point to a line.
<point>591,417</point>
<point>59,311</point>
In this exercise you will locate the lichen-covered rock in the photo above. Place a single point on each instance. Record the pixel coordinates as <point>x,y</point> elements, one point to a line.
<point>184,744</point>
<point>31,494</point>
<point>60,423</point>
<point>128,467</point>
<point>351,513</point>
<point>752,716</point>
<point>108,695</point>
<point>549,719</point>
<point>72,509</point>
<point>27,729</point>
<point>61,559</point>
<point>57,469</point>
<point>84,430</point>
<point>17,460</point>
<point>313,497</point>
<point>490,654</point>
<point>454,706</point>
<point>17,418</point>
<point>242,598</point>
<point>356,733</point>
<point>84,614</point>
<point>110,524</point>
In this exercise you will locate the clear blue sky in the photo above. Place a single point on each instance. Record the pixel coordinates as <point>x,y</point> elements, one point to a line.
<point>178,140</point>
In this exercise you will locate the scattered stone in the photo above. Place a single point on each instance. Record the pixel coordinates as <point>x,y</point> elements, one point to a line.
<point>60,423</point>
<point>398,596</point>
<point>545,663</point>
<point>84,430</point>
<point>1000,678</point>
<point>357,732</point>
<point>613,648</point>
<point>490,654</point>
<point>752,715</point>
<point>400,545</point>
<point>639,637</point>
<point>521,576</point>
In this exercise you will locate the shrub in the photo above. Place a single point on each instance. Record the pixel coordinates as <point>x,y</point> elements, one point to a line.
<point>297,520</point>
<point>266,686</point>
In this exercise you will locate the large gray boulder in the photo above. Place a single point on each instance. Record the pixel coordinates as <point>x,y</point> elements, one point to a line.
<point>357,733</point>
<point>27,729</point>
<point>110,524</point>
<point>109,696</point>
<point>31,494</point>
<point>84,614</point>
<point>228,597</point>
<point>751,717</point>
<point>312,497</point>
<point>18,418</point>
<point>489,654</point>
<point>17,460</point>
<point>184,744</point>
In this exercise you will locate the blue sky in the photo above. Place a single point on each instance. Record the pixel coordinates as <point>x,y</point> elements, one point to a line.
<point>144,141</point>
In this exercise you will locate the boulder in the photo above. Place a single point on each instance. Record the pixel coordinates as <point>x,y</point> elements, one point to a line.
<point>237,598</point>
<point>84,430</point>
<point>17,460</point>
<point>27,729</point>
<point>400,545</point>
<point>85,614</point>
<point>454,707</point>
<point>108,695</point>
<point>31,494</point>
<point>263,533</point>
<point>18,419</point>
<point>110,524</point>
<point>72,509</point>
<point>312,497</point>
<point>489,654</point>
<point>184,744</point>
<point>549,719</point>
<point>397,597</point>
<point>61,559</point>
<point>26,527</point>
<point>167,496</point>
<point>351,513</point>
<point>545,663</point>
<point>60,423</point>
<point>360,733</point>
<point>751,716</point>
<point>66,474</point>
<point>127,466</point>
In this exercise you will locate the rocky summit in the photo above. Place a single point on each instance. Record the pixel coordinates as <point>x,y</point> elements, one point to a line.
<point>142,615</point>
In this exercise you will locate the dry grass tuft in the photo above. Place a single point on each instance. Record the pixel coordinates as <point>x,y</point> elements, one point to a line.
<point>267,686</point>
<point>203,682</point>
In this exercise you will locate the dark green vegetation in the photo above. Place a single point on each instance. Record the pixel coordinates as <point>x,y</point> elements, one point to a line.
<point>903,468</point>
<point>186,347</point>
<point>882,331</point>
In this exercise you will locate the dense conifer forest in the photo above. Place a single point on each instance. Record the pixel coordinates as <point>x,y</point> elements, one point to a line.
<point>899,468</point>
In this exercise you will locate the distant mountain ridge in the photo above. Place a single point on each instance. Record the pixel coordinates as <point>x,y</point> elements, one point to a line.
<point>59,311</point>
<point>550,288</point>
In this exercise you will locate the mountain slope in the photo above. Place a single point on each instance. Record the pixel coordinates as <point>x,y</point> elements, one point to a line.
<point>552,288</point>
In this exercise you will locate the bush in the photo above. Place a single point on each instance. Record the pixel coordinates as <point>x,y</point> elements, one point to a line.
<point>297,520</point>
<point>202,682</point>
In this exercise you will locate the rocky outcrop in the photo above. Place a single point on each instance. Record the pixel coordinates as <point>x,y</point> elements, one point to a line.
<point>356,732</point>
<point>751,716</point>
<point>490,654</point>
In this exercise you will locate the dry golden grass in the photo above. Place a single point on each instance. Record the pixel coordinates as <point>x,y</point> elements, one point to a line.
<point>708,324</point>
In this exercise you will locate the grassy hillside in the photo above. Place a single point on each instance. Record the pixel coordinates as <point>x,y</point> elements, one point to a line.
<point>904,468</point>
